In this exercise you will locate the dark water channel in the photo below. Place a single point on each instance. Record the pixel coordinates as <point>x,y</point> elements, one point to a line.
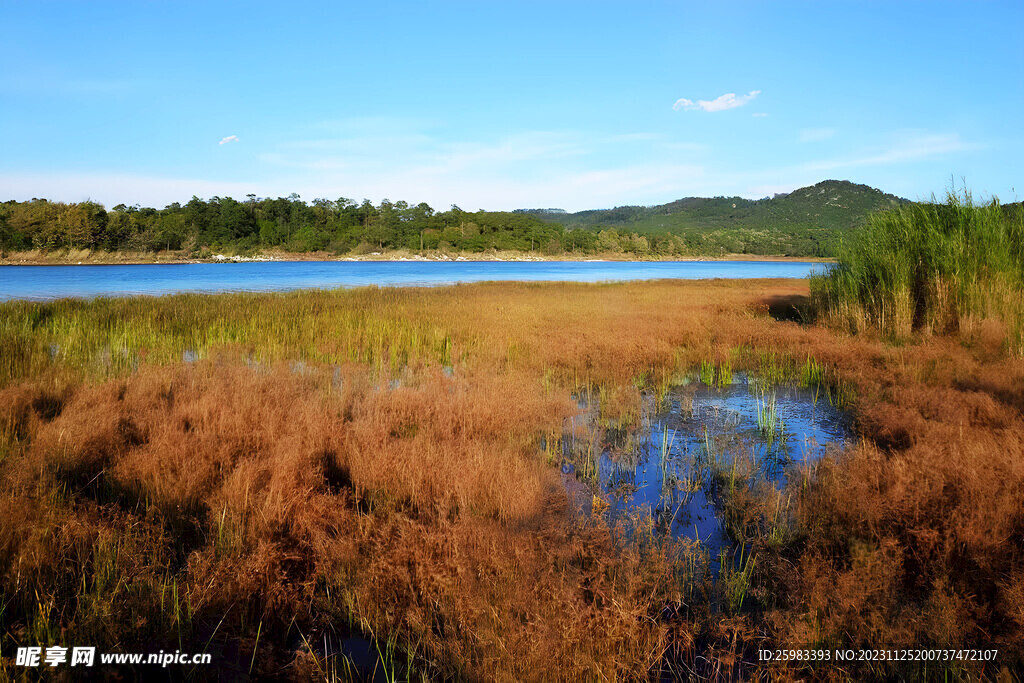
<point>677,462</point>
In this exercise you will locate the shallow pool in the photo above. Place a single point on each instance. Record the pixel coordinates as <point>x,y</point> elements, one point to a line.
<point>678,459</point>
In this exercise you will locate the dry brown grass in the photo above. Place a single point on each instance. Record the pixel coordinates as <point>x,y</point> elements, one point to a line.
<point>198,505</point>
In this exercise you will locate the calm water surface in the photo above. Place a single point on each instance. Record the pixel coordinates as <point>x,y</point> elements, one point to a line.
<point>674,463</point>
<point>55,282</point>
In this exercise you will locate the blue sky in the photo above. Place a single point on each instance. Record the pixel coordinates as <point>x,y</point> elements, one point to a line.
<point>504,105</point>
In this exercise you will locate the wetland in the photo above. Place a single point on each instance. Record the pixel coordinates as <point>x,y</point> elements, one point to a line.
<point>499,480</point>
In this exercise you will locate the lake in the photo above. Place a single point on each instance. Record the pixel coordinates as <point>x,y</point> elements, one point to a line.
<point>55,282</point>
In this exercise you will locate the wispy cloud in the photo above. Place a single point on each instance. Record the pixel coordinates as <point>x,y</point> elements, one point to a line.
<point>816,134</point>
<point>524,147</point>
<point>759,115</point>
<point>687,146</point>
<point>380,153</point>
<point>633,137</point>
<point>562,168</point>
<point>729,100</point>
<point>228,139</point>
<point>412,160</point>
<point>567,169</point>
<point>127,188</point>
<point>472,188</point>
<point>910,149</point>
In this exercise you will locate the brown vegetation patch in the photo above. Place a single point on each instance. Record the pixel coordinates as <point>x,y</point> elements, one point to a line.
<point>210,504</point>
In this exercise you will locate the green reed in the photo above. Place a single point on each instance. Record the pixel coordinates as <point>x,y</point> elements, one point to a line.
<point>930,266</point>
<point>769,422</point>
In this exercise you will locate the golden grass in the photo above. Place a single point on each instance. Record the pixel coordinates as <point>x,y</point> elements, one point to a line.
<point>369,462</point>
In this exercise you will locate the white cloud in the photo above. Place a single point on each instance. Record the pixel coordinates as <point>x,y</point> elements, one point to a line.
<point>759,115</point>
<point>727,101</point>
<point>230,138</point>
<point>816,134</point>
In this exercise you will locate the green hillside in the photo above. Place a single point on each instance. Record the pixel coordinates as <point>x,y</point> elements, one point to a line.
<point>806,222</point>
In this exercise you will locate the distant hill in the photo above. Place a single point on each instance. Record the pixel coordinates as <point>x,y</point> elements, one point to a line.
<point>829,204</point>
<point>808,221</point>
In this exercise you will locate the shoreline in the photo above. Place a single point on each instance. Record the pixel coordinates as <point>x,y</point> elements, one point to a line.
<point>98,258</point>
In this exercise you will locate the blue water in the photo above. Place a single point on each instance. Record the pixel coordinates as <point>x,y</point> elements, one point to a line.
<point>673,464</point>
<point>55,282</point>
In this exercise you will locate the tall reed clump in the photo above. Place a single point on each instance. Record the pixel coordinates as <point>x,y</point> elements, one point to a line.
<point>935,267</point>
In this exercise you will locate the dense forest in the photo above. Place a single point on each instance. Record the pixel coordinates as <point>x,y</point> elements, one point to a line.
<point>806,222</point>
<point>339,226</point>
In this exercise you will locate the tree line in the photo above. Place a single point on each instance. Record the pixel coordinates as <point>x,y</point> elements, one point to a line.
<point>289,223</point>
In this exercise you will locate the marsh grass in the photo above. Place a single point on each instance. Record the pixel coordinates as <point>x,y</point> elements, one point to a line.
<point>735,577</point>
<point>812,374</point>
<point>933,267</point>
<point>109,337</point>
<point>725,375</point>
<point>707,373</point>
<point>769,422</point>
<point>384,459</point>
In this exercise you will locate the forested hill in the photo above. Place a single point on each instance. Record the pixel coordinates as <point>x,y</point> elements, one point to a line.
<point>829,204</point>
<point>806,222</point>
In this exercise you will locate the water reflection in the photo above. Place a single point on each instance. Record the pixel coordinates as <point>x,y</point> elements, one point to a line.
<point>689,450</point>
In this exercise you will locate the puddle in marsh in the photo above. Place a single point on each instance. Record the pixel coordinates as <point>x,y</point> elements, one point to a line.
<point>680,458</point>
